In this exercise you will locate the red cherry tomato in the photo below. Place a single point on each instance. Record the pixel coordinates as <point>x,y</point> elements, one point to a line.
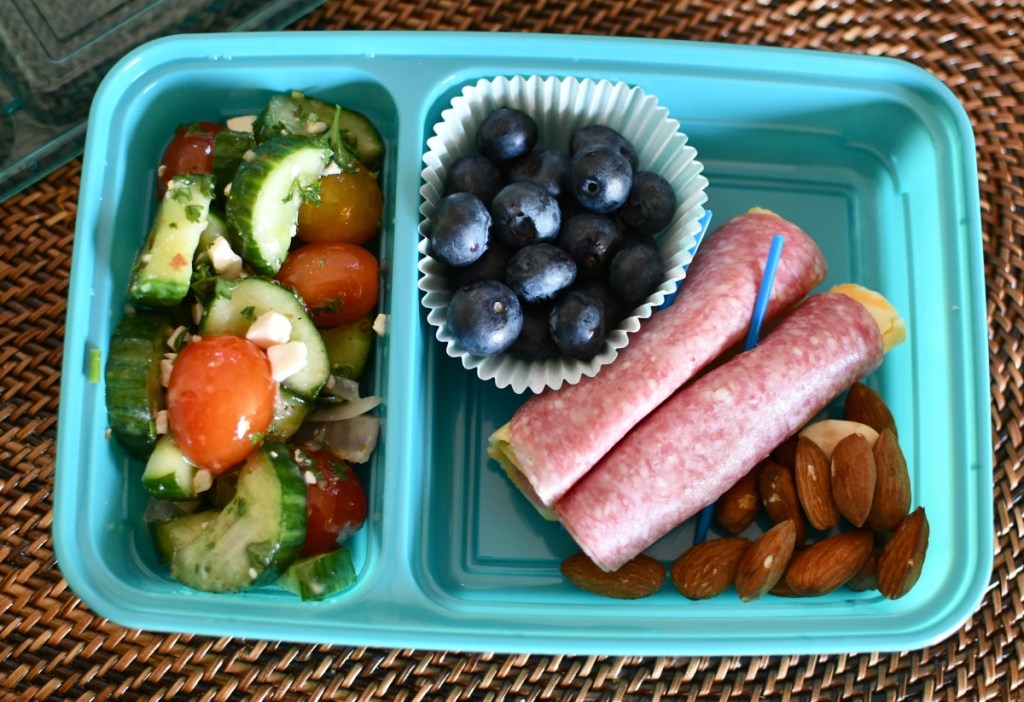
<point>338,282</point>
<point>220,400</point>
<point>190,151</point>
<point>335,503</point>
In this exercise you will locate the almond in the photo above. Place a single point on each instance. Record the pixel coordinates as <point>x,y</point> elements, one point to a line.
<point>821,568</point>
<point>640,577</point>
<point>853,478</point>
<point>738,507</point>
<point>866,406</point>
<point>782,589</point>
<point>709,568</point>
<point>867,577</point>
<point>813,477</point>
<point>899,566</point>
<point>829,432</point>
<point>777,488</point>
<point>891,502</point>
<point>764,562</point>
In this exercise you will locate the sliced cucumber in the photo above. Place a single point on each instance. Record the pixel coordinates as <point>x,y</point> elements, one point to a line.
<point>169,475</point>
<point>171,535</point>
<point>134,392</point>
<point>348,347</point>
<point>263,205</point>
<point>289,411</point>
<point>320,576</point>
<point>237,303</point>
<point>163,268</point>
<point>295,113</point>
<point>216,226</point>
<point>256,535</point>
<point>229,149</point>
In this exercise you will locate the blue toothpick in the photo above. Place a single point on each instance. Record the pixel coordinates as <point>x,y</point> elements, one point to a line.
<point>753,334</point>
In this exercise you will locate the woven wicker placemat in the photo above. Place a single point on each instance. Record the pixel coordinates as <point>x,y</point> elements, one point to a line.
<point>53,647</point>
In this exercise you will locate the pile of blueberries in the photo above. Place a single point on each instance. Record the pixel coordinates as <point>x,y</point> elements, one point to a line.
<point>547,251</point>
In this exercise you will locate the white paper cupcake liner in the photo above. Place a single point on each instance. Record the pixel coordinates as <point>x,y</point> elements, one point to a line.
<point>560,106</point>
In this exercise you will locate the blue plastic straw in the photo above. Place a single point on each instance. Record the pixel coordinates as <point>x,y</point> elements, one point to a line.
<point>753,334</point>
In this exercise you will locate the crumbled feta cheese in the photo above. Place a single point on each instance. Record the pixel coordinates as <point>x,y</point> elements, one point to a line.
<point>332,168</point>
<point>270,329</point>
<point>227,189</point>
<point>202,480</point>
<point>249,155</point>
<point>225,261</point>
<point>166,367</point>
<point>146,258</point>
<point>253,574</point>
<point>197,313</point>
<point>241,124</point>
<point>161,170</point>
<point>287,359</point>
<point>380,324</point>
<point>316,127</point>
<point>161,422</point>
<point>310,477</point>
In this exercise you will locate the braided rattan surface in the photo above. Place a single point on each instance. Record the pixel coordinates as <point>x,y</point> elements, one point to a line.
<point>53,647</point>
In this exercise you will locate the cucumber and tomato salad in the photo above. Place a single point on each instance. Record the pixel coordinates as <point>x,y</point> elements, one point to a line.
<point>251,295</point>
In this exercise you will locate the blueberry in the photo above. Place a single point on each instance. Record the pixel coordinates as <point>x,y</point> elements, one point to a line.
<point>599,134</point>
<point>474,174</point>
<point>635,273</point>
<point>490,266</point>
<point>591,239</point>
<point>506,134</point>
<point>545,167</point>
<point>614,310</point>
<point>524,213</point>
<point>539,271</point>
<point>458,235</point>
<point>484,317</point>
<point>650,205</point>
<point>600,178</point>
<point>534,342</point>
<point>578,324</point>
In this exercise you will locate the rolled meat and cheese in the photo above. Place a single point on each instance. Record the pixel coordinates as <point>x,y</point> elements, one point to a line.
<point>556,437</point>
<point>707,436</point>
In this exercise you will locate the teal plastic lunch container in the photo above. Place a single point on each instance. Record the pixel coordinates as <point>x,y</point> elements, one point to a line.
<point>873,157</point>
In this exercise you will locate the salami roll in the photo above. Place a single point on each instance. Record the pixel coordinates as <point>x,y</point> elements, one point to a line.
<point>557,436</point>
<point>711,433</point>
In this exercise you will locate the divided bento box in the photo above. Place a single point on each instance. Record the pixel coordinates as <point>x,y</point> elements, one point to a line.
<point>873,157</point>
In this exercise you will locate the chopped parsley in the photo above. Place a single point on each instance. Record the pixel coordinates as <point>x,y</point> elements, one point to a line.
<point>249,313</point>
<point>194,213</point>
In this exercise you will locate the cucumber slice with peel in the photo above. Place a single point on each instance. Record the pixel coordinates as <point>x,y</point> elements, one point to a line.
<point>266,192</point>
<point>163,268</point>
<point>257,534</point>
<point>134,392</point>
<point>237,303</point>
<point>171,476</point>
<point>320,576</point>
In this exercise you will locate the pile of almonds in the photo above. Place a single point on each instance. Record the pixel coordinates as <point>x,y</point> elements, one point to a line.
<point>848,473</point>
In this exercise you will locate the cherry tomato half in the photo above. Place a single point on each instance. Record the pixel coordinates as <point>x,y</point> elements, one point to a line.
<point>335,503</point>
<point>220,400</point>
<point>348,212</point>
<point>338,282</point>
<point>190,151</point>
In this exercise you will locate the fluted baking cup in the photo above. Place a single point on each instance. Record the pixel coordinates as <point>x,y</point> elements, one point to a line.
<point>560,106</point>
